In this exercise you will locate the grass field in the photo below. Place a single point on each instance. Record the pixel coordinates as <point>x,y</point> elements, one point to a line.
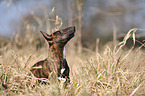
<point>114,71</point>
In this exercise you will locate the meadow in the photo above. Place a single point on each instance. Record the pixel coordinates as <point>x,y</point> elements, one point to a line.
<point>113,71</point>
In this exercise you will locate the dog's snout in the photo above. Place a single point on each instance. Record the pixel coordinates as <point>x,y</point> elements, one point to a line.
<point>73,27</point>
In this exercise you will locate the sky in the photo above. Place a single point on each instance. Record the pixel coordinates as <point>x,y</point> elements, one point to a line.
<point>10,13</point>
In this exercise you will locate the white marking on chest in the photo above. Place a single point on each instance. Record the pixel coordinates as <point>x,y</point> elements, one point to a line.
<point>37,67</point>
<point>62,70</point>
<point>64,53</point>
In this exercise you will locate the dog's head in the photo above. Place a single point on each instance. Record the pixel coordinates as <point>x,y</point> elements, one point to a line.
<point>60,37</point>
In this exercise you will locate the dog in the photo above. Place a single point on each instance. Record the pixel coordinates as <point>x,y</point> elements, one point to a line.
<point>56,61</point>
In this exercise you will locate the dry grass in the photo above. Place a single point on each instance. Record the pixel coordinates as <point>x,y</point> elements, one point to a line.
<point>112,72</point>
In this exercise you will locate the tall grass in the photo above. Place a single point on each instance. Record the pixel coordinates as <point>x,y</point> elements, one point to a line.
<point>112,72</point>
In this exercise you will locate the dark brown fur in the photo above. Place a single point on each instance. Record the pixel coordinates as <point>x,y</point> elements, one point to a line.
<point>55,61</point>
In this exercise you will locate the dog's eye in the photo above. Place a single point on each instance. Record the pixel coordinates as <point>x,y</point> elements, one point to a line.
<point>60,31</point>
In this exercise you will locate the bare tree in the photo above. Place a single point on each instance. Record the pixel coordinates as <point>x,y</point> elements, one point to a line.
<point>79,4</point>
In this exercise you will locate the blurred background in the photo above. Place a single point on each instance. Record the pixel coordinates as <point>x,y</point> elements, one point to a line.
<point>96,21</point>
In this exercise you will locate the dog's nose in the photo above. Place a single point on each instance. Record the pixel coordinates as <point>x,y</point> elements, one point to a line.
<point>73,28</point>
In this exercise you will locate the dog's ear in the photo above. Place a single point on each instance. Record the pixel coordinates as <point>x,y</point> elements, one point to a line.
<point>47,37</point>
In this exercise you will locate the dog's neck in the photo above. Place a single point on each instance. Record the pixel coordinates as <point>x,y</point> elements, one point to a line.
<point>56,55</point>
